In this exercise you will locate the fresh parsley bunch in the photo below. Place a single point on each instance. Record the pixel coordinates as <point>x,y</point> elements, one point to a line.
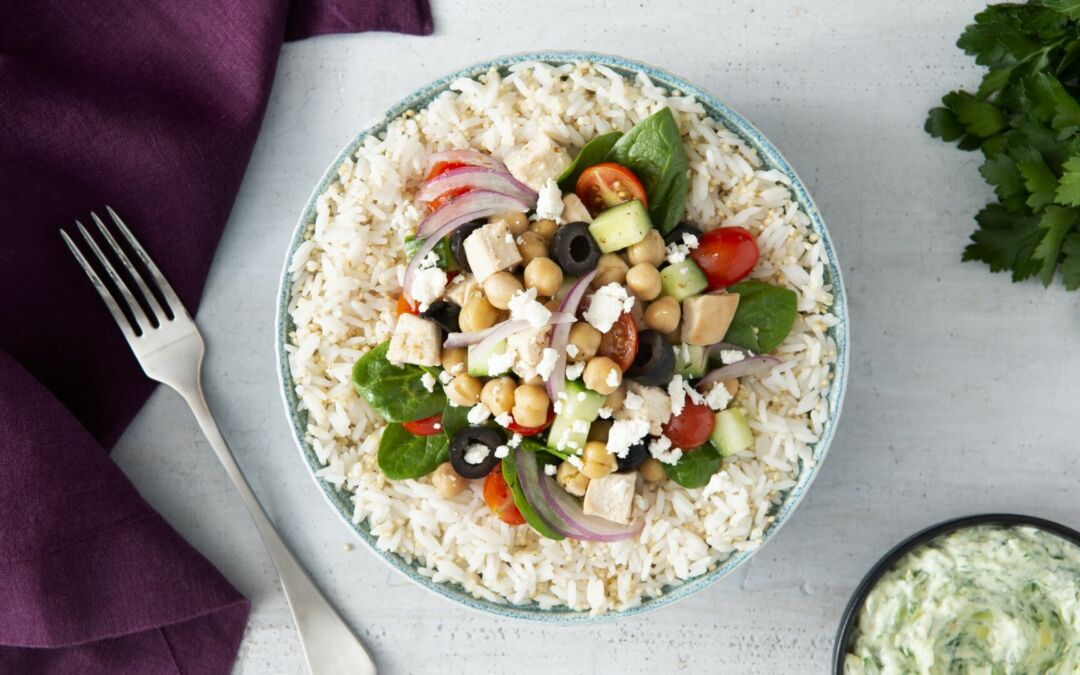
<point>1025,118</point>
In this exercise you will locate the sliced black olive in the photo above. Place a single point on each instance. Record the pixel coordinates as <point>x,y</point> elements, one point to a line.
<point>574,249</point>
<point>445,314</point>
<point>457,243</point>
<point>654,363</point>
<point>675,236</point>
<point>467,438</point>
<point>635,456</point>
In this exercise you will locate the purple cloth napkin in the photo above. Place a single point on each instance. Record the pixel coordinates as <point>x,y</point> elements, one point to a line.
<point>153,108</point>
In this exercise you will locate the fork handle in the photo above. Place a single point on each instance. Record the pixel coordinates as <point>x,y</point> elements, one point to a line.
<point>329,646</point>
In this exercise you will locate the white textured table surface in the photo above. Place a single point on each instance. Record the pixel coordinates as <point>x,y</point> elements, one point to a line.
<point>963,386</point>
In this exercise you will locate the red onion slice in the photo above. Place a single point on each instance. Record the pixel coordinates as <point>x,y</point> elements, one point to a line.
<point>755,365</point>
<point>529,478</point>
<point>502,331</point>
<point>560,334</point>
<point>469,207</point>
<point>477,178</point>
<point>471,157</point>
<point>466,339</point>
<point>585,527</point>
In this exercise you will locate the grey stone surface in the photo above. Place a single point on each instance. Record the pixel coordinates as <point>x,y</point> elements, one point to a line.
<point>963,387</point>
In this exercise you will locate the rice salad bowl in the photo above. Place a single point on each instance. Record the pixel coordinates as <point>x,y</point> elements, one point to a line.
<point>341,295</point>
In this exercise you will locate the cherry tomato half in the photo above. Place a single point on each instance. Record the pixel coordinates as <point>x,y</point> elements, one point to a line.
<point>429,426</point>
<point>692,427</point>
<point>532,431</point>
<point>446,198</point>
<point>442,167</point>
<point>726,255</point>
<point>403,306</point>
<point>620,344</point>
<point>437,170</point>
<point>499,499</point>
<point>608,184</point>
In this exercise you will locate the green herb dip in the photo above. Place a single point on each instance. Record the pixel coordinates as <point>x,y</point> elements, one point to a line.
<point>985,599</point>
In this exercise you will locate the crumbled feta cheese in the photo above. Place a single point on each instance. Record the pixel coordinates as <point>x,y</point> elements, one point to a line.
<point>633,401</point>
<point>575,462</point>
<point>524,306</point>
<point>504,420</point>
<point>574,370</point>
<point>514,441</point>
<point>428,380</point>
<point>690,240</point>
<point>548,360</point>
<point>501,452</point>
<point>624,434</point>
<point>613,379</point>
<point>662,450</point>
<point>718,397</point>
<point>509,238</point>
<point>445,378</point>
<point>549,204</point>
<point>550,469</point>
<point>676,253</point>
<point>476,453</point>
<point>684,352</point>
<point>678,395</point>
<point>729,356</point>
<point>557,407</point>
<point>500,363</point>
<point>580,427</point>
<point>607,305</point>
<point>581,396</point>
<point>571,350</point>
<point>651,404</point>
<point>478,413</point>
<point>429,282</point>
<point>604,412</point>
<point>436,426</point>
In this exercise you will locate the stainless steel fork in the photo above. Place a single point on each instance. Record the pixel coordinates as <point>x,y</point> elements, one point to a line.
<point>170,349</point>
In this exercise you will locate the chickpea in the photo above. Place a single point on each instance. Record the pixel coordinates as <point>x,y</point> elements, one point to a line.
<point>545,275</point>
<point>615,399</point>
<point>732,386</point>
<point>545,228</point>
<point>597,462</point>
<point>602,375</point>
<point>663,314</point>
<point>500,287</point>
<point>454,359</point>
<point>643,280</point>
<point>586,339</point>
<point>531,404</point>
<point>637,313</point>
<point>553,304</point>
<point>531,246</point>
<point>571,479</point>
<point>649,250</point>
<point>477,314</point>
<point>610,268</point>
<point>498,395</point>
<point>516,221</point>
<point>652,470</point>
<point>447,481</point>
<point>599,429</point>
<point>463,390</point>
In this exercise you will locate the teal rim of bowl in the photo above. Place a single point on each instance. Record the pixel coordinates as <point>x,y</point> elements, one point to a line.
<point>771,159</point>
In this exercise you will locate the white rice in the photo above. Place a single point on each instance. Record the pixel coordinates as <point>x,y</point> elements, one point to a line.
<point>345,284</point>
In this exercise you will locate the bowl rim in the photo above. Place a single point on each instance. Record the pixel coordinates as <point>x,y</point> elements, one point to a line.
<point>849,619</point>
<point>770,156</point>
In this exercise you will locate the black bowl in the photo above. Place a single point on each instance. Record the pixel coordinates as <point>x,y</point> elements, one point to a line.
<point>850,619</point>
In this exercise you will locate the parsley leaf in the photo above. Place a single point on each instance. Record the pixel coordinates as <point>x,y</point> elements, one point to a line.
<point>1005,241</point>
<point>1039,180</point>
<point>1068,191</point>
<point>1057,221</point>
<point>1070,265</point>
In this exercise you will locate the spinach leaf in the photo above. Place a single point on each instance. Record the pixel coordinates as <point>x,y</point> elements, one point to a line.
<point>442,249</point>
<point>454,419</point>
<point>395,392</point>
<point>543,451</point>
<point>403,455</point>
<point>764,316</point>
<point>695,468</point>
<point>509,472</point>
<point>654,151</point>
<point>591,153</point>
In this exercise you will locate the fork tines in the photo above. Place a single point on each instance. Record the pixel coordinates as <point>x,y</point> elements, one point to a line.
<point>134,311</point>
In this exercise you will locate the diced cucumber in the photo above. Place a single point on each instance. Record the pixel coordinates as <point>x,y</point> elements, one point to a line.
<point>442,249</point>
<point>682,279</point>
<point>620,226</point>
<point>480,360</point>
<point>731,433</point>
<point>577,411</point>
<point>691,360</point>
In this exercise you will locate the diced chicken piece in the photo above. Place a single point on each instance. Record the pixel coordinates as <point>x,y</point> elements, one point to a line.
<point>416,341</point>
<point>462,289</point>
<point>528,348</point>
<point>491,249</point>
<point>536,161</point>
<point>705,318</point>
<point>574,209</point>
<point>651,404</point>
<point>611,497</point>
